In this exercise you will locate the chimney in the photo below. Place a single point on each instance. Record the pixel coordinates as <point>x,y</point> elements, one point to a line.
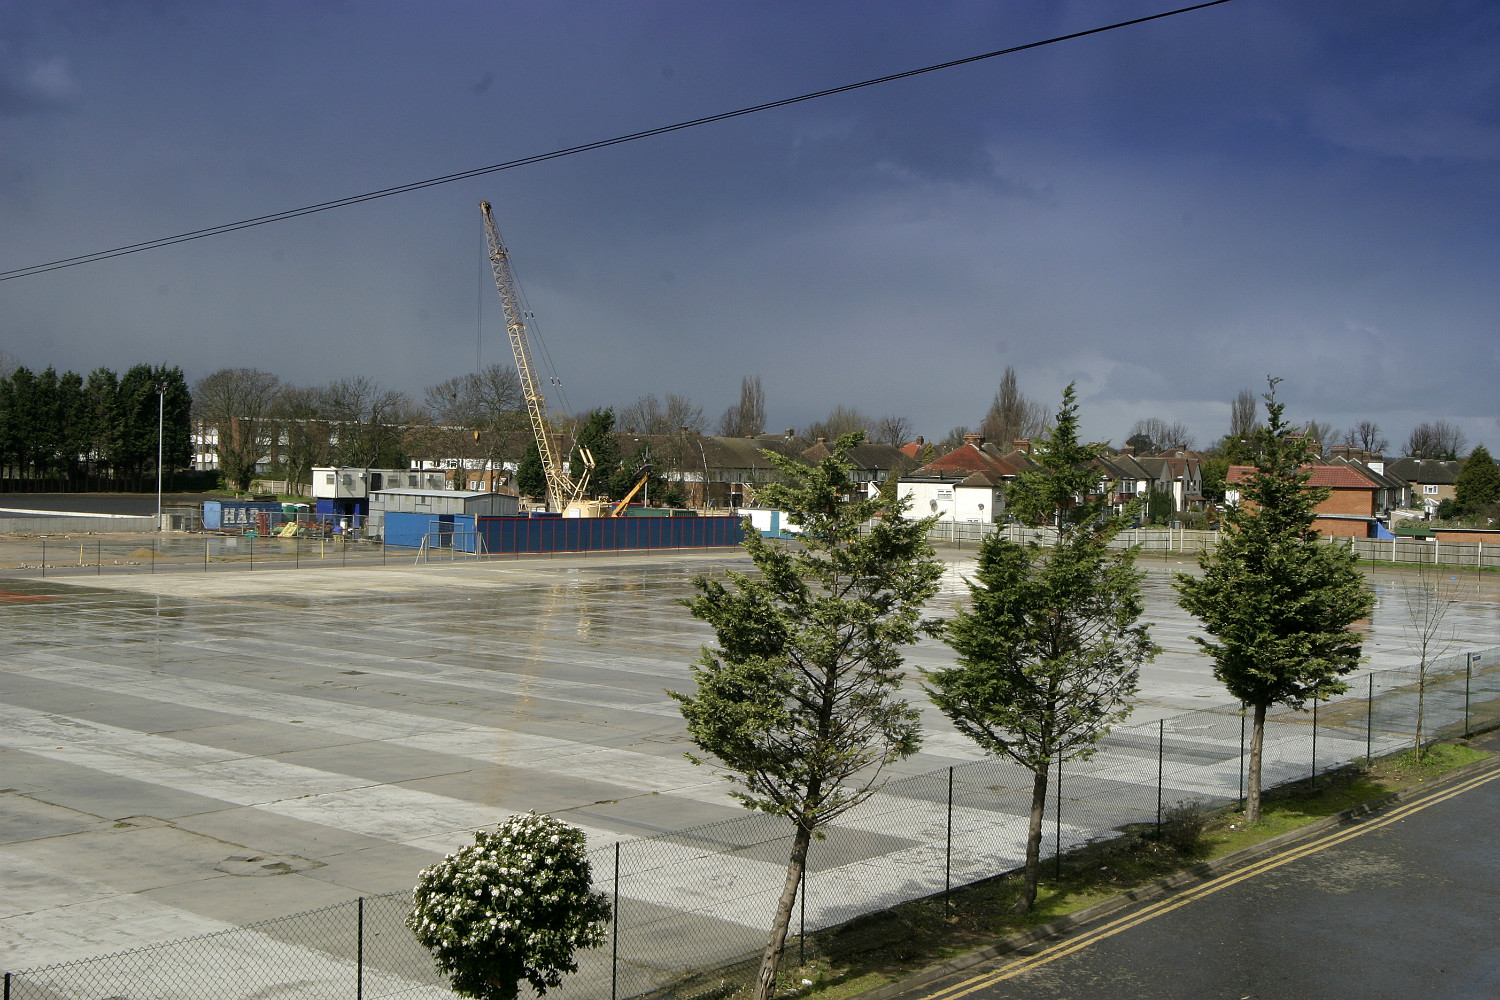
<point>1126,449</point>
<point>821,440</point>
<point>919,439</point>
<point>1022,445</point>
<point>974,440</point>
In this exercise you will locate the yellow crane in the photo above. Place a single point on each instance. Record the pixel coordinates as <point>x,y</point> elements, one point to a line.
<point>563,494</point>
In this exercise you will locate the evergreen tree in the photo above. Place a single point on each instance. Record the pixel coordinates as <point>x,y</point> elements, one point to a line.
<point>800,701</point>
<point>102,396</point>
<point>531,478</point>
<point>1478,483</point>
<point>1051,644</point>
<point>1276,602</point>
<point>597,435</point>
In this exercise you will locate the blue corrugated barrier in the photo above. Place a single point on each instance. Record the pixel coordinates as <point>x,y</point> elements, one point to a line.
<point>594,534</point>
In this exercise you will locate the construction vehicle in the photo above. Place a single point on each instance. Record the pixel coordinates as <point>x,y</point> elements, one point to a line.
<point>564,495</point>
<point>631,495</point>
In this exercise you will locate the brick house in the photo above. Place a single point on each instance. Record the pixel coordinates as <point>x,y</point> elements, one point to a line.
<point>966,484</point>
<point>1349,511</point>
<point>1432,480</point>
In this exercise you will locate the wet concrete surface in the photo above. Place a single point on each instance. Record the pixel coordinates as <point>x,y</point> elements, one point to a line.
<point>1410,909</point>
<point>353,723</point>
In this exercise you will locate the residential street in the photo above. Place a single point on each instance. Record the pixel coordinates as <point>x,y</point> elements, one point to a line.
<point>1404,904</point>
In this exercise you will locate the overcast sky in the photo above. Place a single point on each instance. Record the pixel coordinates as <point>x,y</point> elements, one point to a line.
<point>1164,213</point>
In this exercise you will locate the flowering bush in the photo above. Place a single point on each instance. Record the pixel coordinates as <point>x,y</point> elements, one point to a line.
<point>514,905</point>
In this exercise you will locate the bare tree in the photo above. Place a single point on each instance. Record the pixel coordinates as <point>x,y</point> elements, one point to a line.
<point>1321,435</point>
<point>1242,415</point>
<point>649,415</point>
<point>303,434</point>
<point>476,399</point>
<point>238,404</point>
<point>1437,439</point>
<point>953,439</point>
<point>748,416</point>
<point>1427,603</point>
<point>1011,415</point>
<point>1366,436</point>
<point>1153,435</point>
<point>841,420</point>
<point>368,421</point>
<point>892,430</point>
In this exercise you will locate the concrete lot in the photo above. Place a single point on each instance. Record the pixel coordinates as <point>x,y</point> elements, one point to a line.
<point>169,741</point>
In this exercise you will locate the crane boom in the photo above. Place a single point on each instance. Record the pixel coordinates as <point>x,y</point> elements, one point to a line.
<point>561,489</point>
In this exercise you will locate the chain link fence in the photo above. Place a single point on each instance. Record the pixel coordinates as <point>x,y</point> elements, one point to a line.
<point>1161,542</point>
<point>693,907</point>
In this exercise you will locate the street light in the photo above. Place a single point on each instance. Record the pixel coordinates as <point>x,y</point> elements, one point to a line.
<point>161,405</point>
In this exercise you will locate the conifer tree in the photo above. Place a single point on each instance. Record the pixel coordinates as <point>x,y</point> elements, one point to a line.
<point>800,701</point>
<point>1051,644</point>
<point>1276,602</point>
<point>1478,483</point>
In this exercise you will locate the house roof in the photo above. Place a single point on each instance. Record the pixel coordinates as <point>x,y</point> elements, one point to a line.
<point>1382,481</point>
<point>866,456</point>
<point>969,458</point>
<point>1338,477</point>
<point>1424,470</point>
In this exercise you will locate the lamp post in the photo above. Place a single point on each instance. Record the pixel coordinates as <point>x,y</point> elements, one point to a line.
<point>161,405</point>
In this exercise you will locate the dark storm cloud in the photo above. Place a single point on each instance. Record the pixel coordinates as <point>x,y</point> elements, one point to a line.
<point>1166,213</point>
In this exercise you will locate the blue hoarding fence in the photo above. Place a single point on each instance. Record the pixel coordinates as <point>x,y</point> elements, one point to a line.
<point>507,535</point>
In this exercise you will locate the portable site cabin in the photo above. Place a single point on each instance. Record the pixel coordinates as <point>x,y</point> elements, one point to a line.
<point>346,491</point>
<point>406,516</point>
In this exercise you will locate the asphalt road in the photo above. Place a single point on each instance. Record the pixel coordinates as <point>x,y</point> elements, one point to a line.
<point>1403,904</point>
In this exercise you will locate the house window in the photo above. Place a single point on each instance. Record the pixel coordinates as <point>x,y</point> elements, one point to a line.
<point>1430,489</point>
<point>328,478</point>
<point>474,484</point>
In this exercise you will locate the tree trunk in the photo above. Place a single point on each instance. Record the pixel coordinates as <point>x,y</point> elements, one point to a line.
<point>1421,696</point>
<point>765,982</point>
<point>1252,781</point>
<point>1033,840</point>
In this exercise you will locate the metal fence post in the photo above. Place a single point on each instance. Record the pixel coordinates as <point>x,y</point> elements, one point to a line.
<point>153,555</point>
<point>1468,678</point>
<point>1370,719</point>
<point>205,555</point>
<point>98,558</point>
<point>1161,756</point>
<point>802,918</point>
<point>7,986</point>
<point>44,558</point>
<point>252,552</point>
<point>1057,841</point>
<point>614,956</point>
<point>296,552</point>
<point>359,984</point>
<point>1315,739</point>
<point>948,851</point>
<point>1242,755</point>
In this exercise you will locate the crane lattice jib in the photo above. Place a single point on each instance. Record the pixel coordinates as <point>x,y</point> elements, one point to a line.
<point>561,489</point>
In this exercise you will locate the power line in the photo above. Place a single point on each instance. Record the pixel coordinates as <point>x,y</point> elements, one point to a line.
<point>294,213</point>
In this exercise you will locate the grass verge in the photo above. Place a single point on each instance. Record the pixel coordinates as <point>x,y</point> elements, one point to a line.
<point>879,948</point>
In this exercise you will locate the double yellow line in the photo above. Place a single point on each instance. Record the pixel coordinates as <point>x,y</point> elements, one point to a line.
<point>1156,909</point>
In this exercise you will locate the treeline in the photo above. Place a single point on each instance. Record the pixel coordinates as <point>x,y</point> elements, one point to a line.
<point>69,432</point>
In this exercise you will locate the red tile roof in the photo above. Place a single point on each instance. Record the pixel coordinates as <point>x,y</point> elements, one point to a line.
<point>969,458</point>
<point>1339,477</point>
